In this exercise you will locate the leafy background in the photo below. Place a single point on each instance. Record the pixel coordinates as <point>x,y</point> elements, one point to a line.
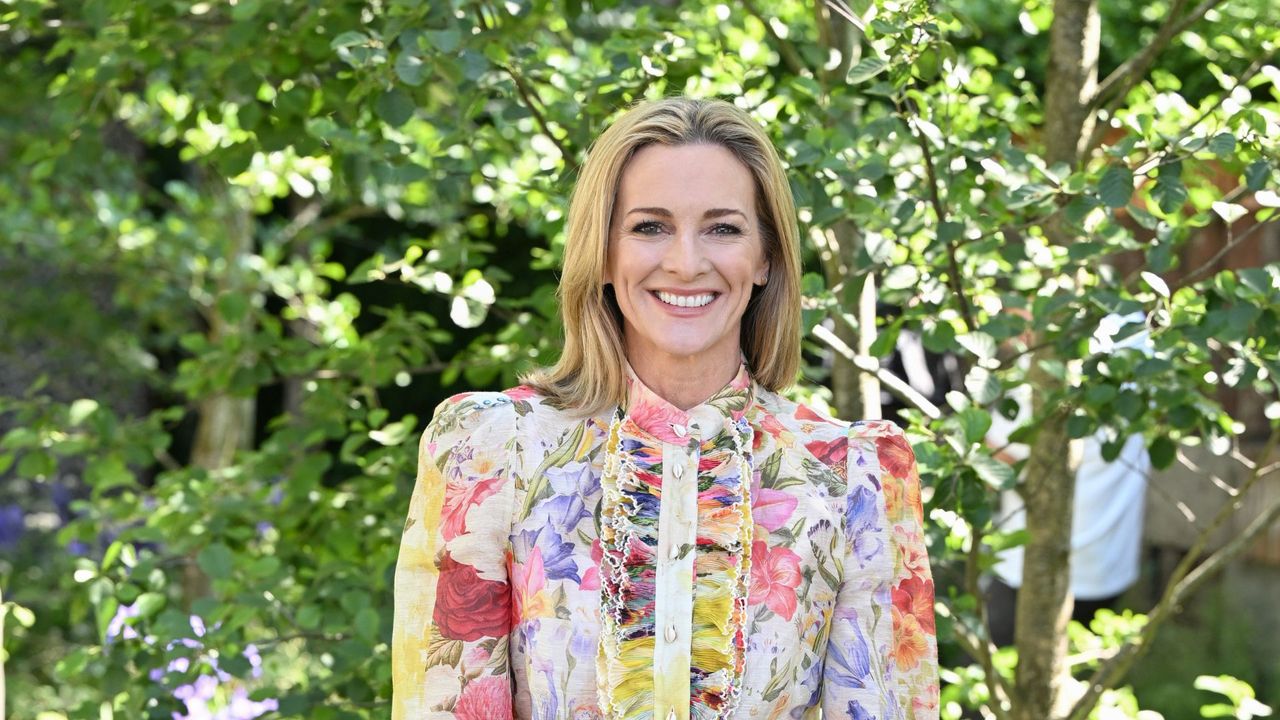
<point>248,246</point>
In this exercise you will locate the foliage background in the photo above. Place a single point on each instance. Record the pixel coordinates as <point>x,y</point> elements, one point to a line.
<point>248,246</point>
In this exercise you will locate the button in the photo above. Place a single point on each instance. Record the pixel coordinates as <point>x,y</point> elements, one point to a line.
<point>671,715</point>
<point>678,471</point>
<point>671,637</point>
<point>680,429</point>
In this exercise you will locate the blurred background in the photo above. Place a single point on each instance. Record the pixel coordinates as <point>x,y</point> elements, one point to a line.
<point>247,247</point>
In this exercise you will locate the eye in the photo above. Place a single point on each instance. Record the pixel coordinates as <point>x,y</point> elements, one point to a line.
<point>646,227</point>
<point>725,229</point>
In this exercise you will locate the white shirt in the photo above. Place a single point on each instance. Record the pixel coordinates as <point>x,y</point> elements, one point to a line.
<point>1106,528</point>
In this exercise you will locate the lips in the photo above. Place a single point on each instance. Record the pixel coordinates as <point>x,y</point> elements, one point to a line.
<point>685,301</point>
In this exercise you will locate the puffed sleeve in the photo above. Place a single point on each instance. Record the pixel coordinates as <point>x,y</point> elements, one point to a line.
<point>452,598</point>
<point>882,657</point>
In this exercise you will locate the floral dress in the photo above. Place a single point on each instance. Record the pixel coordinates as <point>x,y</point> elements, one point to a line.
<point>747,558</point>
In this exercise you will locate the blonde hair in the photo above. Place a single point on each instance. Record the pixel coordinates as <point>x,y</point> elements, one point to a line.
<point>590,375</point>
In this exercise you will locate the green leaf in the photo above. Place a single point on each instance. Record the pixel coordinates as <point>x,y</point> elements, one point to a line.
<point>367,624</point>
<point>149,603</point>
<point>1116,187</point>
<point>982,385</point>
<point>411,69</point>
<point>1162,452</point>
<point>865,69</point>
<point>1079,426</point>
<point>1222,144</point>
<point>993,472</point>
<point>233,307</point>
<point>216,560</point>
<point>349,39</point>
<point>1169,194</point>
<point>395,107</point>
<point>975,422</point>
<point>1256,175</point>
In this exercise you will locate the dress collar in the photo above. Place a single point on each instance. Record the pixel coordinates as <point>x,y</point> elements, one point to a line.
<point>653,414</point>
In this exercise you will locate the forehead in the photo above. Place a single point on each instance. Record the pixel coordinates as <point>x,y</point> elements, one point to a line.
<point>686,177</point>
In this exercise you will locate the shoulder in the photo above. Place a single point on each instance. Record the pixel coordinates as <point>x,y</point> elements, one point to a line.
<point>494,418</point>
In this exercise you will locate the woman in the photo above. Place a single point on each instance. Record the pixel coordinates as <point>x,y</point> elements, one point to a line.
<point>647,529</point>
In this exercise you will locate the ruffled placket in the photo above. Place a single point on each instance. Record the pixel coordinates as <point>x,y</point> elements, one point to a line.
<point>676,531</point>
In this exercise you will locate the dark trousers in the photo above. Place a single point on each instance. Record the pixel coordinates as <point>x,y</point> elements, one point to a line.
<point>1001,600</point>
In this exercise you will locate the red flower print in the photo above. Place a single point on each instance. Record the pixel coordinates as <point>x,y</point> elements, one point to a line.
<point>771,425</point>
<point>914,597</point>
<point>460,495</point>
<point>895,455</point>
<point>804,413</point>
<point>486,698</point>
<point>775,575</point>
<point>468,607</point>
<point>832,453</point>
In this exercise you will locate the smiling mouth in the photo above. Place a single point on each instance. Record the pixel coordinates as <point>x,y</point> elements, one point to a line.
<point>686,301</point>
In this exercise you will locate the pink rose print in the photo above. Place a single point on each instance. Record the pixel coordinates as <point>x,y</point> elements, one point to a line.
<point>487,698</point>
<point>460,495</point>
<point>775,575</point>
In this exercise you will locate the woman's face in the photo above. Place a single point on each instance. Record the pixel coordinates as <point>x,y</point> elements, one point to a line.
<point>684,252</point>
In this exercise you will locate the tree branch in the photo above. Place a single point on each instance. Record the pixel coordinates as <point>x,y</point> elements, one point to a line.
<point>868,365</point>
<point>526,95</point>
<point>939,210</point>
<point>1185,581</point>
<point>790,56</point>
<point>1121,80</point>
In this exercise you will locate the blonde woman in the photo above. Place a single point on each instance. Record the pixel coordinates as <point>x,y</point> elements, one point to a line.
<point>648,530</point>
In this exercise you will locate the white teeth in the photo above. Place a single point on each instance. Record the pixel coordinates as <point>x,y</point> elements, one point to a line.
<point>685,300</point>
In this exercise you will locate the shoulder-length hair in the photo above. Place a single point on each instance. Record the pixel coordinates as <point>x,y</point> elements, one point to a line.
<point>590,374</point>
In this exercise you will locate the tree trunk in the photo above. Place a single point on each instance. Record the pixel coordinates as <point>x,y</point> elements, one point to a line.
<point>226,421</point>
<point>856,395</point>
<point>1048,488</point>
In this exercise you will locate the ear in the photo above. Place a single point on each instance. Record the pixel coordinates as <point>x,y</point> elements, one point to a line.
<point>763,278</point>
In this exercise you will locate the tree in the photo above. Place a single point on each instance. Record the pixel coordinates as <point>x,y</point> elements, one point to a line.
<point>310,220</point>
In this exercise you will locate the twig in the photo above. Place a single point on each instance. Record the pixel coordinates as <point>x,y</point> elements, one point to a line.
<point>896,385</point>
<point>1184,581</point>
<point>940,211</point>
<point>526,95</point>
<point>1226,248</point>
<point>1124,77</point>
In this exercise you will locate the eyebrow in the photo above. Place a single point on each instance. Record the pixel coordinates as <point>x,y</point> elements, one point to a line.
<point>712,213</point>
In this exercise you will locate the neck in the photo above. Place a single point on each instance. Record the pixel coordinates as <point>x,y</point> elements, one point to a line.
<point>686,382</point>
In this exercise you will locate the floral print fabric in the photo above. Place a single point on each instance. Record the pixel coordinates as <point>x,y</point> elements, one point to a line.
<point>748,558</point>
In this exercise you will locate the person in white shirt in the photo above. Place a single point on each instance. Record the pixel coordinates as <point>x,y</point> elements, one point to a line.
<point>1106,532</point>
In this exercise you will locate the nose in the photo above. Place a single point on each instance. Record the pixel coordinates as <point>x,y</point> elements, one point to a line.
<point>684,256</point>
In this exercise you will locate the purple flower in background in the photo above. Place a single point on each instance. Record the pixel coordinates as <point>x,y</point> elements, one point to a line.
<point>118,628</point>
<point>12,524</point>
